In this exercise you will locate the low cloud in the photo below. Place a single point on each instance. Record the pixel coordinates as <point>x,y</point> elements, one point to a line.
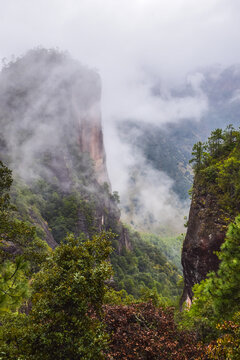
<point>142,49</point>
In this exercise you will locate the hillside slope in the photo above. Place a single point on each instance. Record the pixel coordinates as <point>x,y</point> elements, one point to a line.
<point>52,139</point>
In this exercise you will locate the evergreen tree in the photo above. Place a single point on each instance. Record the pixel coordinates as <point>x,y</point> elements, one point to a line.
<point>13,282</point>
<point>198,154</point>
<point>17,237</point>
<point>5,184</point>
<point>215,142</point>
<point>68,293</point>
<point>225,287</point>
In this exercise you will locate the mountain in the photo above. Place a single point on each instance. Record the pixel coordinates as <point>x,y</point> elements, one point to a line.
<point>166,147</point>
<point>215,204</point>
<point>51,135</point>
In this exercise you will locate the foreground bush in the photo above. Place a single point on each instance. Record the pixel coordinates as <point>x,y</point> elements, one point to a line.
<point>65,319</point>
<point>142,331</point>
<point>227,345</point>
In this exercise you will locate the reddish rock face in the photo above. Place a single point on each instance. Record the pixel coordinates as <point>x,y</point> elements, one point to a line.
<point>51,129</point>
<point>91,141</point>
<point>205,234</point>
<point>50,108</point>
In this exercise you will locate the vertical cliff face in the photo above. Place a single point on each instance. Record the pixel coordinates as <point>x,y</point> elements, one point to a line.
<point>91,141</point>
<point>205,234</point>
<point>51,135</point>
<point>215,204</point>
<point>50,104</point>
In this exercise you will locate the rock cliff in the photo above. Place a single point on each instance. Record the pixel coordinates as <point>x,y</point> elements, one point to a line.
<point>50,106</point>
<point>51,135</point>
<point>206,231</point>
<point>215,204</point>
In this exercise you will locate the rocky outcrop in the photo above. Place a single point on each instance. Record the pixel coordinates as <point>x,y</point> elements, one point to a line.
<point>51,131</point>
<point>206,231</point>
<point>39,221</point>
<point>91,141</point>
<point>50,114</point>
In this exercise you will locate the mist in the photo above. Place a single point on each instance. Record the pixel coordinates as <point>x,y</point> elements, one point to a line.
<point>45,98</point>
<point>141,50</point>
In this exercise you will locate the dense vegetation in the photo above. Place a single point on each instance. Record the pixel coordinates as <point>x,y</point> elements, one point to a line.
<point>56,188</point>
<point>59,312</point>
<point>143,331</point>
<point>215,311</point>
<point>60,304</point>
<point>217,167</point>
<point>64,319</point>
<point>145,267</point>
<point>96,294</point>
<point>216,303</point>
<point>170,246</point>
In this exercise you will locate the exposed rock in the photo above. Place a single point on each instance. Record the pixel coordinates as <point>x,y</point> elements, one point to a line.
<point>124,240</point>
<point>49,114</point>
<point>44,226</point>
<point>10,248</point>
<point>91,141</point>
<point>51,130</point>
<point>206,231</point>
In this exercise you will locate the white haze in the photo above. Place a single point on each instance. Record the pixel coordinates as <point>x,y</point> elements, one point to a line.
<point>134,45</point>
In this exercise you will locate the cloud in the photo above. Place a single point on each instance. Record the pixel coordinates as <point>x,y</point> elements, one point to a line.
<point>149,203</point>
<point>134,45</point>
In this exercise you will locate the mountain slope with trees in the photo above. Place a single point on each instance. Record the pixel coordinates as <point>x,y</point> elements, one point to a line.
<point>215,203</point>
<point>52,138</point>
<point>211,249</point>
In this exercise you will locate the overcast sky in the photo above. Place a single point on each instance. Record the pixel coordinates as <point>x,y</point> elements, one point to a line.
<point>122,38</point>
<point>132,43</point>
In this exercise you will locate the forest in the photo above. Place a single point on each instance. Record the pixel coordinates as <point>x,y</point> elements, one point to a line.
<point>88,299</point>
<point>119,180</point>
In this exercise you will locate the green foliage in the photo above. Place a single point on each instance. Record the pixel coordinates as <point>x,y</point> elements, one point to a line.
<point>121,297</point>
<point>219,145</point>
<point>16,236</point>
<point>61,210</point>
<point>145,268</point>
<point>68,293</point>
<point>218,170</point>
<point>215,142</point>
<point>74,210</point>
<point>170,246</point>
<point>217,298</point>
<point>14,286</point>
<point>198,154</point>
<point>5,184</point>
<point>227,346</point>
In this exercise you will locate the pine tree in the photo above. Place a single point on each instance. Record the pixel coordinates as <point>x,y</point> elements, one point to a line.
<point>198,155</point>
<point>215,142</point>
<point>17,237</point>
